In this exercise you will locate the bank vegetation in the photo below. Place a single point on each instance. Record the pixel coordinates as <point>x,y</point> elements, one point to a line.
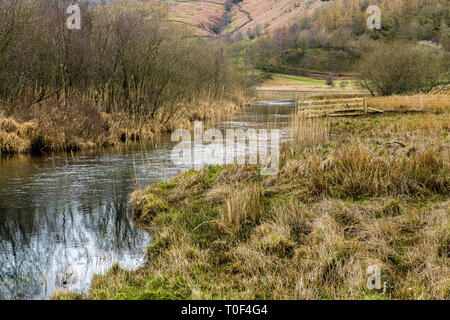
<point>127,74</point>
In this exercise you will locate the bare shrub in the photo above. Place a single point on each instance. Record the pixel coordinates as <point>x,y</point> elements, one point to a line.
<point>401,68</point>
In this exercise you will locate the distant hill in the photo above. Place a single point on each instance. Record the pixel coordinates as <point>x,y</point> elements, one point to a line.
<point>227,17</point>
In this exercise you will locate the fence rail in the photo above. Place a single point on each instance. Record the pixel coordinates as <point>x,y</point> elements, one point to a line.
<point>334,107</point>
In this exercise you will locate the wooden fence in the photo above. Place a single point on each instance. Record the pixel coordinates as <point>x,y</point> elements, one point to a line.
<point>334,107</point>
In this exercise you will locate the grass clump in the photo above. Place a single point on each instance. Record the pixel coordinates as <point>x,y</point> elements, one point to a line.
<point>16,137</point>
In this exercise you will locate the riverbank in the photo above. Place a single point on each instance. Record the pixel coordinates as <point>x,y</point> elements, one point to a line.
<point>47,128</point>
<point>351,193</point>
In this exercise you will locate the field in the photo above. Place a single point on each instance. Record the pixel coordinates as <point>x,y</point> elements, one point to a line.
<point>351,193</point>
<point>280,81</point>
<point>435,102</point>
<point>362,185</point>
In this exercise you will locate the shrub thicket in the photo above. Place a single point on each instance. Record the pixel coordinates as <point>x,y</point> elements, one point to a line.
<point>126,58</point>
<point>401,68</point>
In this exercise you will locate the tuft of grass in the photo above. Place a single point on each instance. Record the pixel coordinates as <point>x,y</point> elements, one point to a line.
<point>66,295</point>
<point>213,172</point>
<point>16,137</point>
<point>147,205</point>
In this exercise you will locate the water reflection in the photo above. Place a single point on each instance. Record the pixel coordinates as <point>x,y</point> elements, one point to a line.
<point>61,222</point>
<point>64,218</point>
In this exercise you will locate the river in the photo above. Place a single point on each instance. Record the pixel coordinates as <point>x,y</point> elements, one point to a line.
<point>65,217</point>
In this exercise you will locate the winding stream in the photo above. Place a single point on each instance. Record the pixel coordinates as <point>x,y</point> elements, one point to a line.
<point>65,217</point>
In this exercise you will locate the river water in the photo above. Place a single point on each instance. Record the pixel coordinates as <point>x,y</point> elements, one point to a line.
<point>66,217</point>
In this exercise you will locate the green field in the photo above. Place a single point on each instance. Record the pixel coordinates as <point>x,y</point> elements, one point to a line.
<point>280,80</point>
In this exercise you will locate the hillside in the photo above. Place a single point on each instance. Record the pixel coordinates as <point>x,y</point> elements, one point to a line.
<point>227,17</point>
<point>334,41</point>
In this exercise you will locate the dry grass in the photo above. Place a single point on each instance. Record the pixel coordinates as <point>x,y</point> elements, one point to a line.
<point>53,126</point>
<point>431,102</point>
<point>354,172</point>
<point>15,137</point>
<point>308,132</point>
<point>375,191</point>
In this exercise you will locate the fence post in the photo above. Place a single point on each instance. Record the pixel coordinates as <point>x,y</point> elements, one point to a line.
<point>421,102</point>
<point>365,106</point>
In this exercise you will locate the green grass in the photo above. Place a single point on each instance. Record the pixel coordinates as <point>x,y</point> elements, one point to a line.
<point>279,79</point>
<point>299,79</point>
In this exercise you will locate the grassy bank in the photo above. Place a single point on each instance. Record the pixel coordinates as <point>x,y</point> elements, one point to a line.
<point>350,193</point>
<point>50,127</point>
